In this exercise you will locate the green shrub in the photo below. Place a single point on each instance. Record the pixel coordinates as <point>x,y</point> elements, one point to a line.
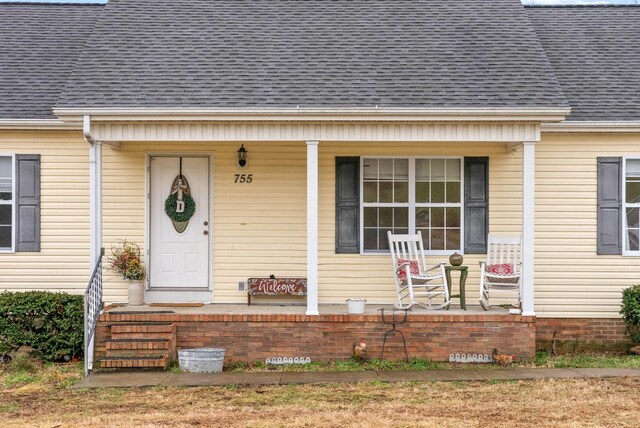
<point>631,311</point>
<point>50,323</point>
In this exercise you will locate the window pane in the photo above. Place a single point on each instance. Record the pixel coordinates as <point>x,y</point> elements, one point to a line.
<point>5,167</point>
<point>370,217</point>
<point>386,217</point>
<point>453,170</point>
<point>5,215</point>
<point>401,169</point>
<point>422,217</point>
<point>401,217</point>
<point>5,236</point>
<point>5,189</point>
<point>370,191</point>
<point>633,168</point>
<point>370,167</point>
<point>437,217</point>
<point>437,239</point>
<point>425,237</point>
<point>370,239</point>
<point>386,169</point>
<point>401,192</point>
<point>633,192</point>
<point>383,239</point>
<point>437,169</point>
<point>386,191</point>
<point>453,217</point>
<point>453,192</point>
<point>633,217</point>
<point>422,192</point>
<point>633,241</point>
<point>437,192</point>
<point>453,239</point>
<point>422,169</point>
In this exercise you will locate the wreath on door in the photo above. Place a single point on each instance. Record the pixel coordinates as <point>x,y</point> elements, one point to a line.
<point>180,206</point>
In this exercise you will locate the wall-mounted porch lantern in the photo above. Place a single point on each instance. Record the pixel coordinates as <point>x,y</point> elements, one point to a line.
<point>242,157</point>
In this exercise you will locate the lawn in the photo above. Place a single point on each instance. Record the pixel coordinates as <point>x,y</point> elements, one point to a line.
<point>38,395</point>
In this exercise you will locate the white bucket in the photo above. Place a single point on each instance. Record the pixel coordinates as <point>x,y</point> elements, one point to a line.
<point>356,306</point>
<point>201,360</point>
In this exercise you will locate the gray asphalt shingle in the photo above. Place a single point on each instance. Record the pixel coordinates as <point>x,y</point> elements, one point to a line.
<point>39,45</point>
<point>313,53</point>
<point>595,53</point>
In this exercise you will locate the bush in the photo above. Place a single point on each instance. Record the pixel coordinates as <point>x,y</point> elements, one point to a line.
<point>631,311</point>
<point>50,323</point>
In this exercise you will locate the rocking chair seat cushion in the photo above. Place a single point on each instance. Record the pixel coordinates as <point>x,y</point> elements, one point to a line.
<point>413,269</point>
<point>502,273</point>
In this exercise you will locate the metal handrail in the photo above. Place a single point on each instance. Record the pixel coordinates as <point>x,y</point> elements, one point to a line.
<point>92,310</point>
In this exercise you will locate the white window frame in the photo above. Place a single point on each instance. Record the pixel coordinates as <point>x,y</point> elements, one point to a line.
<point>412,202</point>
<point>625,205</point>
<point>12,203</point>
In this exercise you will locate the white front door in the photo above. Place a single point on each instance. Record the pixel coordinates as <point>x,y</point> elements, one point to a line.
<point>179,255</point>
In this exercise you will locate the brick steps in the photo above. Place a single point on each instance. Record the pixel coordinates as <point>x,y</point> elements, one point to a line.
<point>136,362</point>
<point>140,345</point>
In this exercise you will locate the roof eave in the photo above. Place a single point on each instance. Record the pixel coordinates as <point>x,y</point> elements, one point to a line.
<point>593,126</point>
<point>314,114</point>
<point>38,124</point>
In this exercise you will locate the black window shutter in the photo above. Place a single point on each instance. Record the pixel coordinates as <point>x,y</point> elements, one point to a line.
<point>476,204</point>
<point>27,202</point>
<point>347,205</point>
<point>609,205</point>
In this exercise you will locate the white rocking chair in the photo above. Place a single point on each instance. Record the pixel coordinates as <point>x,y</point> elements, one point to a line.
<point>501,271</point>
<point>414,279</point>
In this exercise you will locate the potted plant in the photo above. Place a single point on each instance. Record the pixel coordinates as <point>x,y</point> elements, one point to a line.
<point>125,261</point>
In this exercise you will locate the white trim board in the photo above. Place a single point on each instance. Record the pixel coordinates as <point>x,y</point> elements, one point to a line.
<point>229,131</point>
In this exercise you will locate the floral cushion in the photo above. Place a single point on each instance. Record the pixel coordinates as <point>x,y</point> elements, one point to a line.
<point>501,269</point>
<point>413,269</point>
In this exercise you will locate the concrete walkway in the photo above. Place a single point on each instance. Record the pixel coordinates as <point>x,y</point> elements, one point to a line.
<point>145,379</point>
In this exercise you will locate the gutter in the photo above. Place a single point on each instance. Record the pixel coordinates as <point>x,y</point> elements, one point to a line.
<point>37,124</point>
<point>314,114</point>
<point>592,126</point>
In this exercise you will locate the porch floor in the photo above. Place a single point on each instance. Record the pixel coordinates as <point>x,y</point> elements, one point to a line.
<point>324,309</point>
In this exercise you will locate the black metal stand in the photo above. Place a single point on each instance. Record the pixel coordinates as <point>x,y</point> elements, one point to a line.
<point>396,319</point>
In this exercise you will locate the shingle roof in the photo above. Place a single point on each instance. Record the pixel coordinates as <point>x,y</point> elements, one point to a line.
<point>595,53</point>
<point>313,53</point>
<point>39,45</point>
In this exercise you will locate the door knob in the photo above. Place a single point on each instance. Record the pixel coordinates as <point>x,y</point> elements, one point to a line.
<point>206,232</point>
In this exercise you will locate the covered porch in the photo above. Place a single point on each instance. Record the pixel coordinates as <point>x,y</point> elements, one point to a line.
<point>287,222</point>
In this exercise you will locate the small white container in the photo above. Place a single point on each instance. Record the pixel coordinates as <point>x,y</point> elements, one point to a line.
<point>356,306</point>
<point>201,360</point>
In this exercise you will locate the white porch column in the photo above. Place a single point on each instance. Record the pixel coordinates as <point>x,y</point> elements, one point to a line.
<point>528,223</point>
<point>312,228</point>
<point>95,202</point>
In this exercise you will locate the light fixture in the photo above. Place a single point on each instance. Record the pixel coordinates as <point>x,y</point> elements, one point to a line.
<point>242,157</point>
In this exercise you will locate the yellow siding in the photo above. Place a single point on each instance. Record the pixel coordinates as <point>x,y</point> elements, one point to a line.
<point>63,263</point>
<point>571,279</point>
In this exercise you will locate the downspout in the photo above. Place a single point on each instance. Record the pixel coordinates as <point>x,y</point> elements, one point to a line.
<point>95,214</point>
<point>95,191</point>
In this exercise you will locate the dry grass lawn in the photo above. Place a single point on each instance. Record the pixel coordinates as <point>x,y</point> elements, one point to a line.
<point>45,401</point>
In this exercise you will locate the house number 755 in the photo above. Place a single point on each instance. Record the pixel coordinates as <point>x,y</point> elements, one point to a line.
<point>243,178</point>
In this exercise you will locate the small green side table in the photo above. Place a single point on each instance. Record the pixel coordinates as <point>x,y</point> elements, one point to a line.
<point>464,271</point>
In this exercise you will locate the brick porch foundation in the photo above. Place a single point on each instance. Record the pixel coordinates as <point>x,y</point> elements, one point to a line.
<point>581,334</point>
<point>252,338</point>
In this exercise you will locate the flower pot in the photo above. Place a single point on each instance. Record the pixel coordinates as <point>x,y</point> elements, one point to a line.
<point>356,306</point>
<point>136,293</point>
<point>201,360</point>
